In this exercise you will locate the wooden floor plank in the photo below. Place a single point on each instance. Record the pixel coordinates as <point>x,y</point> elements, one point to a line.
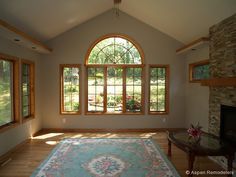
<point>28,156</point>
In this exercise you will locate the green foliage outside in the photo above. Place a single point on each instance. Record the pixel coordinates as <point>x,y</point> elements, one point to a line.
<point>71,89</point>
<point>133,105</point>
<point>157,89</point>
<point>114,50</point>
<point>201,72</point>
<point>5,92</point>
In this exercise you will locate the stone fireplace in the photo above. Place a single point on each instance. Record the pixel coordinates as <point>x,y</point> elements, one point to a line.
<point>222,65</point>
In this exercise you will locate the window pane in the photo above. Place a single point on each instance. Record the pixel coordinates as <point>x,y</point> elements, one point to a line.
<point>26,111</point>
<point>133,89</point>
<point>25,100</point>
<point>129,80</point>
<point>6,92</point>
<point>137,80</point>
<point>201,72</point>
<point>154,90</point>
<point>114,50</point>
<point>95,89</point>
<point>133,104</point>
<point>71,89</point>
<point>153,107</point>
<point>91,90</point>
<point>114,103</point>
<point>26,90</point>
<point>153,98</point>
<point>157,89</point>
<point>136,56</point>
<point>114,90</point>
<point>95,103</point>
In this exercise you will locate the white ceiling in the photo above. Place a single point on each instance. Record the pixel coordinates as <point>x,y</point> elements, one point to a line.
<point>184,20</point>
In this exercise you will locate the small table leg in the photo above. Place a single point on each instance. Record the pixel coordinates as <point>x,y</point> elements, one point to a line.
<point>230,164</point>
<point>191,158</point>
<point>169,148</point>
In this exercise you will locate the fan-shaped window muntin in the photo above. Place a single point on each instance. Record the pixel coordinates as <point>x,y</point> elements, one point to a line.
<point>114,50</point>
<point>114,77</point>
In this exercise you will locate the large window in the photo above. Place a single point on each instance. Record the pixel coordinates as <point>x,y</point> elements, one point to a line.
<point>70,89</point>
<point>158,89</point>
<point>8,90</point>
<point>114,77</point>
<point>27,90</point>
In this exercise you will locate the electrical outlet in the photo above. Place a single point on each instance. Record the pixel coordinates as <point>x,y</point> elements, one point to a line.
<point>164,120</point>
<point>64,120</point>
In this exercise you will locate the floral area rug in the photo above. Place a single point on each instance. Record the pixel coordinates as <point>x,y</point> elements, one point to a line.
<point>129,157</point>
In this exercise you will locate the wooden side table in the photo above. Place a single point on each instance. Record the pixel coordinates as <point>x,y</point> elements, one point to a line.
<point>208,145</point>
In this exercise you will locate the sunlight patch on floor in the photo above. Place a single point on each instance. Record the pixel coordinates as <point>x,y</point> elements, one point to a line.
<point>51,142</point>
<point>48,135</point>
<point>112,135</point>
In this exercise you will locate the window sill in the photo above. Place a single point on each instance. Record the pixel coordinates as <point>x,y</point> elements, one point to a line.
<point>26,119</point>
<point>70,113</point>
<point>158,113</point>
<point>8,126</point>
<point>197,81</point>
<point>100,113</point>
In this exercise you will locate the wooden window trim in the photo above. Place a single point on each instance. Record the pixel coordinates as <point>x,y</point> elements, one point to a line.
<point>16,93</point>
<point>32,90</point>
<point>191,67</point>
<point>167,77</point>
<point>62,112</point>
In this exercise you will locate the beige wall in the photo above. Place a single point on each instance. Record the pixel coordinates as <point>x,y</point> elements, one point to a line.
<point>71,47</point>
<point>14,136</point>
<point>196,96</point>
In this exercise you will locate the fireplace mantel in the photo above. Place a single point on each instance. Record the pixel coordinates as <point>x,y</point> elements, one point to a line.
<point>220,82</point>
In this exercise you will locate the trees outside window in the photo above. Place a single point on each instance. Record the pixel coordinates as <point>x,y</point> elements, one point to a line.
<point>199,71</point>
<point>70,89</point>
<point>9,110</point>
<point>27,89</point>
<point>158,89</point>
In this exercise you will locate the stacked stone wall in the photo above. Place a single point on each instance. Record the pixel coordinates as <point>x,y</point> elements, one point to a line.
<point>222,65</point>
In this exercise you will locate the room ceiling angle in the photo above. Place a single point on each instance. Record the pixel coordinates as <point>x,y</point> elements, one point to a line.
<point>183,20</point>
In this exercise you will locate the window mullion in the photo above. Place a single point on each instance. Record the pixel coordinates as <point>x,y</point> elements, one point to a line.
<point>105,90</point>
<point>95,91</point>
<point>30,87</point>
<point>157,69</point>
<point>12,89</point>
<point>62,88</point>
<point>87,87</point>
<point>142,91</point>
<point>124,89</point>
<point>71,80</point>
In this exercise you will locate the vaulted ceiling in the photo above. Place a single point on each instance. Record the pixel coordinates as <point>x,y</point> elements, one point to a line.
<point>184,20</point>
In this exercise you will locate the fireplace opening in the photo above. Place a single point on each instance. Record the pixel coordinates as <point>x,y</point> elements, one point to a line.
<point>228,124</point>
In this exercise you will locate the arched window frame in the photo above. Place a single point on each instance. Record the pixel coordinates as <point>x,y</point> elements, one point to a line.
<point>124,68</point>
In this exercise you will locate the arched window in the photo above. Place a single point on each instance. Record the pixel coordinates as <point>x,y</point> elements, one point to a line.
<point>115,76</point>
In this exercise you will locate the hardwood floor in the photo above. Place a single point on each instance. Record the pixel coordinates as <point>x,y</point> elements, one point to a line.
<point>28,156</point>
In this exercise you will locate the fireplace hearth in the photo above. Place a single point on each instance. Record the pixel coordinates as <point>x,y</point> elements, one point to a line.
<point>228,124</point>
